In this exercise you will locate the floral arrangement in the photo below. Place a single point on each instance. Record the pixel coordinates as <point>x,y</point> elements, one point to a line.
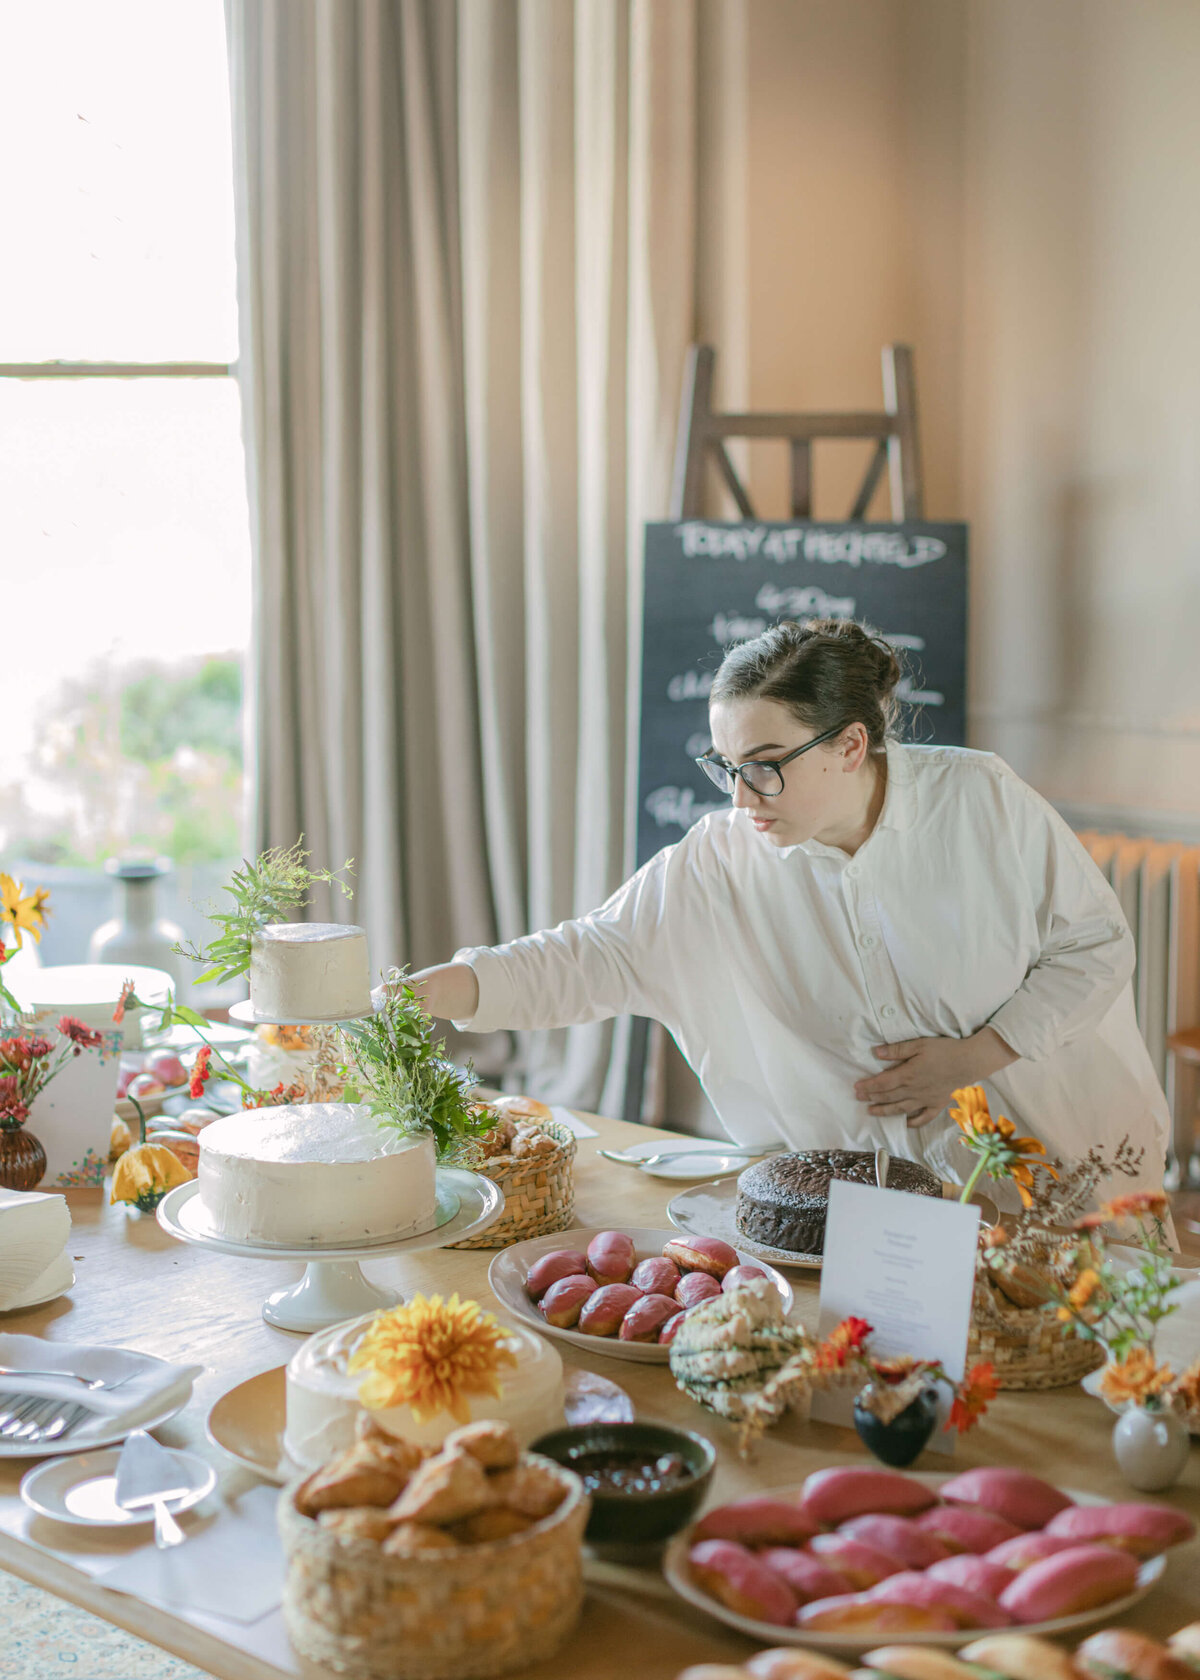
<point>23,914</point>
<point>1120,1305</point>
<point>892,1384</point>
<point>145,1173</point>
<point>433,1356</point>
<point>201,1071</point>
<point>28,1062</point>
<point>394,1063</point>
<point>278,882</point>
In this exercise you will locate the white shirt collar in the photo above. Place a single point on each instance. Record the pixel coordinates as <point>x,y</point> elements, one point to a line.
<point>899,807</point>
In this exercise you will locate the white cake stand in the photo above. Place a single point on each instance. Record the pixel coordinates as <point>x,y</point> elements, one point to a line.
<point>246,1015</point>
<point>333,1287</point>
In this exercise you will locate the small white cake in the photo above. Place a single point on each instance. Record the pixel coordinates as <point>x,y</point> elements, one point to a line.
<point>305,1174</point>
<point>309,971</point>
<point>323,1404</point>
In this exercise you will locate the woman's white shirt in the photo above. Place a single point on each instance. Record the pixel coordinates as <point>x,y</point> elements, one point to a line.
<point>778,969</point>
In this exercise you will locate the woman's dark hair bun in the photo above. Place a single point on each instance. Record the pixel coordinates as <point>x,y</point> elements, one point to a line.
<point>828,671</point>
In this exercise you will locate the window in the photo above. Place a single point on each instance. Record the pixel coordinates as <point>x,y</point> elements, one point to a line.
<point>124,528</point>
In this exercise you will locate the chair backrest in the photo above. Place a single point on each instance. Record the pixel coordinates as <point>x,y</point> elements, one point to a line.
<point>893,429</point>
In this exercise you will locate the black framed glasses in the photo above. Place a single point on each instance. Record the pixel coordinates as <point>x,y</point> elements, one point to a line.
<point>763,776</point>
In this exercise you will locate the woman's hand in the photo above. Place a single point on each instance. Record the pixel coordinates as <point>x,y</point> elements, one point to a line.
<point>926,1071</point>
<point>450,992</point>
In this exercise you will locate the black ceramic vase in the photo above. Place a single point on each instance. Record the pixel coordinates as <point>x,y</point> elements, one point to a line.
<point>897,1443</point>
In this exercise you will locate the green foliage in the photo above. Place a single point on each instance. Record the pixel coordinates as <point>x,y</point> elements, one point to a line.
<point>200,710</point>
<point>396,1066</point>
<point>267,890</point>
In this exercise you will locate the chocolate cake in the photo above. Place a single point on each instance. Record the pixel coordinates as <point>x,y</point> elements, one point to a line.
<point>782,1202</point>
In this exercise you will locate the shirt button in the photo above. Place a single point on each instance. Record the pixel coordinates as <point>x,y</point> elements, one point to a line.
<point>853,871</point>
<point>888,1010</point>
<point>867,941</point>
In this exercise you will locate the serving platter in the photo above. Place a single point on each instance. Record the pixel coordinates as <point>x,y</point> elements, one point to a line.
<point>510,1268</point>
<point>675,1568</point>
<point>706,1210</point>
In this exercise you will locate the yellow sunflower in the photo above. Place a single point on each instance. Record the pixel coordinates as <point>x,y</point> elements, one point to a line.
<point>22,914</point>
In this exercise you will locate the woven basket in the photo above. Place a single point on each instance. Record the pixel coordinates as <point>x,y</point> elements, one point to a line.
<point>539,1190</point>
<point>462,1614</point>
<point>1028,1346</point>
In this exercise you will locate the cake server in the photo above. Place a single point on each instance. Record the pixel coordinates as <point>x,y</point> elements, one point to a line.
<point>679,1154</point>
<point>148,1474</point>
<point>882,1162</point>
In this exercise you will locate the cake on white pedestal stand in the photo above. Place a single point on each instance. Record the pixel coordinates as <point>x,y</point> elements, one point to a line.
<point>333,1287</point>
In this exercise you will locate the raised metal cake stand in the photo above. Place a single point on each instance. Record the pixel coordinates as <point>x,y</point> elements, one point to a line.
<point>333,1287</point>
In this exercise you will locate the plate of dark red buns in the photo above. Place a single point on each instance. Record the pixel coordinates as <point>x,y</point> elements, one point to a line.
<point>855,1554</point>
<point>625,1292</point>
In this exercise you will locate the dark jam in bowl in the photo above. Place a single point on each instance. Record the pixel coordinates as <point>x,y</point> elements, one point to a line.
<point>635,1473</point>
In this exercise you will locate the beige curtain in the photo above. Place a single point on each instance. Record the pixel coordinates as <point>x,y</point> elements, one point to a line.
<point>466,260</point>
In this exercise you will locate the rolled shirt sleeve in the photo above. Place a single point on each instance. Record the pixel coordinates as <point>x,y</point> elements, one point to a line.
<point>588,969</point>
<point>1087,950</point>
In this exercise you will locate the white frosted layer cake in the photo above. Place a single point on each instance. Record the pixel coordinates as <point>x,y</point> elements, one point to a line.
<point>310,971</point>
<point>313,1173</point>
<point>323,1405</point>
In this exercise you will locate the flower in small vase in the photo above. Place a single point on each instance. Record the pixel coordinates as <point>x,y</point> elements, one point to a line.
<point>1185,1390</point>
<point>201,1072</point>
<point>1002,1154</point>
<point>1137,1379</point>
<point>973,1397</point>
<point>82,1037</point>
<point>1080,1293</point>
<point>23,914</point>
<point>842,1345</point>
<point>13,1112</point>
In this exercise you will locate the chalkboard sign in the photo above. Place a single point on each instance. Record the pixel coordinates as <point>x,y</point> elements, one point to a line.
<point>710,585</point>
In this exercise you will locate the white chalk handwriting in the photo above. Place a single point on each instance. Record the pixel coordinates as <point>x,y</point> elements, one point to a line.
<point>690,685</point>
<point>731,627</point>
<point>678,807</point>
<point>878,547</point>
<point>803,603</point>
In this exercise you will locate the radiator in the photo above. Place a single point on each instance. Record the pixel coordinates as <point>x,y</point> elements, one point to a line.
<point>1158,884</point>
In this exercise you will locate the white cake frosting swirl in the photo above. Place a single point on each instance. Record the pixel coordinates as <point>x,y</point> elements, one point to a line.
<point>323,1404</point>
<point>315,1173</point>
<point>309,971</point>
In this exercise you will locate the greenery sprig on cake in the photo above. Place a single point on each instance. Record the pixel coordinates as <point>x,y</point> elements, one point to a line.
<point>270,889</point>
<point>396,1065</point>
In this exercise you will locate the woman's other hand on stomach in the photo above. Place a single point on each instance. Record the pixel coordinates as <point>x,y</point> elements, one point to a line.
<point>926,1071</point>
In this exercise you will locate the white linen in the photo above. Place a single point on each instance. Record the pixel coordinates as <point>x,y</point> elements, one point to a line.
<point>34,1229</point>
<point>778,970</point>
<point>58,1277</point>
<point>232,1567</point>
<point>151,1383</point>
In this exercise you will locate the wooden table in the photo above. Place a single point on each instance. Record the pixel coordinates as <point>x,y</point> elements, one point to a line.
<point>139,1288</point>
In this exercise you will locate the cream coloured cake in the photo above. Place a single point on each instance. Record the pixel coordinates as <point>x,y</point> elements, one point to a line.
<point>315,1173</point>
<point>309,971</point>
<point>323,1404</point>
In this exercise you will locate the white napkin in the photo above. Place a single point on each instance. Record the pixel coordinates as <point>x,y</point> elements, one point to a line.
<point>55,1280</point>
<point>34,1230</point>
<point>232,1567</point>
<point>152,1384</point>
<point>573,1123</point>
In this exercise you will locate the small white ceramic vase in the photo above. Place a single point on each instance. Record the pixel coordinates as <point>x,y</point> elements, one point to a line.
<point>1151,1447</point>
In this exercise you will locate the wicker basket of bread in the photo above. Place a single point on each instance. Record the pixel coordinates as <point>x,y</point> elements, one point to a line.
<point>403,1565</point>
<point>530,1156</point>
<point>1026,1344</point>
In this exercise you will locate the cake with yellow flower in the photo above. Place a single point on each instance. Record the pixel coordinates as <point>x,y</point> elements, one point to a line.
<point>419,1371</point>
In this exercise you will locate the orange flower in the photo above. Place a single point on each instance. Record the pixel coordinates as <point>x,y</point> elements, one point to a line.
<point>843,1341</point>
<point>126,1001</point>
<point>1135,1204</point>
<point>975,1393</point>
<point>201,1072</point>
<point>972,1114</point>
<point>1084,1287</point>
<point>1135,1378</point>
<point>1185,1390</point>
<point>82,1037</point>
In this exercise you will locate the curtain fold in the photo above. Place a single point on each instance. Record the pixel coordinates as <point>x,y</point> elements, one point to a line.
<point>466,261</point>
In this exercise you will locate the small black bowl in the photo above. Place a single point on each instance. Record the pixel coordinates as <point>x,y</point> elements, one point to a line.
<point>622,1517</point>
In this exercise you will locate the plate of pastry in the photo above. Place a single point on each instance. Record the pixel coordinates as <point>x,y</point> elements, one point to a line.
<point>622,1293</point>
<point>857,1557</point>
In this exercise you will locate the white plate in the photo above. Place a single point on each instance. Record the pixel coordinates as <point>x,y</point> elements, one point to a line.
<point>709,1163</point>
<point>707,1211</point>
<point>510,1268</point>
<point>39,1300</point>
<point>245,1013</point>
<point>675,1568</point>
<point>82,1490</point>
<point>480,1204</point>
<point>90,1436</point>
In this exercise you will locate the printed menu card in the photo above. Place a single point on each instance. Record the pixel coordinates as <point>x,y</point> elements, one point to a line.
<point>907,1265</point>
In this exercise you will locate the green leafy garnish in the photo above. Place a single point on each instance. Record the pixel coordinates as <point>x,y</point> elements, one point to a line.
<point>278,882</point>
<point>396,1066</point>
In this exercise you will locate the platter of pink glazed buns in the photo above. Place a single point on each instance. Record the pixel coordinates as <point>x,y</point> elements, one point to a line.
<point>858,1553</point>
<point>622,1292</point>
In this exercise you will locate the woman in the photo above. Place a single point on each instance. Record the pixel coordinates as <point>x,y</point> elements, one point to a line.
<point>868,927</point>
